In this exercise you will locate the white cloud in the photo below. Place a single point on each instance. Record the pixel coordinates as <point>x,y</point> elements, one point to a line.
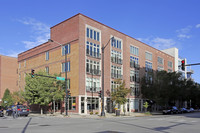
<point>198,26</point>
<point>184,32</point>
<point>158,43</point>
<point>40,32</point>
<point>13,53</point>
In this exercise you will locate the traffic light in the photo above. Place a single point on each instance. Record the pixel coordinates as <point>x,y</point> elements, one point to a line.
<point>69,93</point>
<point>100,93</point>
<point>183,65</point>
<point>32,73</point>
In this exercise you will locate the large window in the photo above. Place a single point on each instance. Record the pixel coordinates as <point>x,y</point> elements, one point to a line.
<point>114,85</point>
<point>116,43</point>
<point>170,64</point>
<point>93,84</point>
<point>160,60</point>
<point>93,67</point>
<point>67,47</point>
<point>93,49</point>
<point>92,103</point>
<point>148,66</point>
<point>116,72</point>
<point>47,55</point>
<point>92,33</point>
<point>66,66</point>
<point>134,60</point>
<point>72,103</point>
<point>134,50</point>
<point>116,57</point>
<point>148,56</point>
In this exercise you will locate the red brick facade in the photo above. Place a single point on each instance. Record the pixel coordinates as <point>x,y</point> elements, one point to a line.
<point>74,30</point>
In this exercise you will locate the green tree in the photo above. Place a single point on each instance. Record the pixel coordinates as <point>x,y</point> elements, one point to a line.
<point>120,93</point>
<point>17,97</point>
<point>42,90</point>
<point>7,99</point>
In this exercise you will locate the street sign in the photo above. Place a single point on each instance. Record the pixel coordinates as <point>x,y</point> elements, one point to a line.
<point>60,78</point>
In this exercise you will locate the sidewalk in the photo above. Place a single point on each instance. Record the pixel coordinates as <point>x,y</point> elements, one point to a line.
<point>108,115</point>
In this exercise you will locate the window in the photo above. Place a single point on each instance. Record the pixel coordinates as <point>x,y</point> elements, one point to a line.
<point>160,68</point>
<point>169,64</point>
<point>93,84</point>
<point>160,60</point>
<point>92,33</point>
<point>93,49</point>
<point>135,60</point>
<point>24,63</point>
<point>114,85</point>
<point>72,103</point>
<point>47,70</point>
<point>116,57</point>
<point>92,103</point>
<point>67,48</point>
<point>132,87</point>
<point>19,65</point>
<point>148,66</point>
<point>134,50</point>
<point>148,56</point>
<point>66,66</point>
<point>47,55</point>
<point>116,72</point>
<point>116,43</point>
<point>93,67</point>
<point>88,34</point>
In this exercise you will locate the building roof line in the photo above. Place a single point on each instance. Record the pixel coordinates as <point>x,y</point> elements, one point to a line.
<point>110,28</point>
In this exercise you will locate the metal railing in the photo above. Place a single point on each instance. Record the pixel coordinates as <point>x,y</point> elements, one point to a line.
<point>116,60</point>
<point>116,76</point>
<point>92,89</point>
<point>133,65</point>
<point>93,71</point>
<point>93,54</point>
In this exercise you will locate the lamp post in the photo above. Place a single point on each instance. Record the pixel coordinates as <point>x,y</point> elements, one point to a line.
<point>103,48</point>
<point>66,104</point>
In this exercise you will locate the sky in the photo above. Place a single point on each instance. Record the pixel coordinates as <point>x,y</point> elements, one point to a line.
<point>162,24</point>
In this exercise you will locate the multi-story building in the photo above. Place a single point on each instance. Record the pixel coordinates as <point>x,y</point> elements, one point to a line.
<point>8,75</point>
<point>125,58</point>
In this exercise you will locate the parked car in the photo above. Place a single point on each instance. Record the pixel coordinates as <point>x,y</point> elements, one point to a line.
<point>171,110</point>
<point>22,110</point>
<point>190,109</point>
<point>185,110</point>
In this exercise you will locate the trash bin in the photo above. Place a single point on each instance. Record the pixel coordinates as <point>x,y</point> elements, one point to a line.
<point>117,112</point>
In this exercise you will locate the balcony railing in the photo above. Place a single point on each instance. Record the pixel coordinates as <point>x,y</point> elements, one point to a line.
<point>148,69</point>
<point>93,71</point>
<point>133,65</point>
<point>116,76</point>
<point>93,54</point>
<point>134,79</point>
<point>116,60</point>
<point>92,89</point>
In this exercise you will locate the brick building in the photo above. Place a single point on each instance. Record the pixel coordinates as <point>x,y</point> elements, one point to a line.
<point>125,58</point>
<point>8,74</point>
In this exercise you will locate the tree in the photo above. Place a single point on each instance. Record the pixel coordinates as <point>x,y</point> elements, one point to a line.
<point>17,97</point>
<point>120,93</point>
<point>7,99</point>
<point>42,90</point>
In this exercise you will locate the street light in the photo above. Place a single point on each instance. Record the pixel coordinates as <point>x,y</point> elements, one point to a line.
<point>103,48</point>
<point>66,104</point>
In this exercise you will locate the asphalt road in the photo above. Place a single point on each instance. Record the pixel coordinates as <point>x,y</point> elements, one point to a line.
<point>179,123</point>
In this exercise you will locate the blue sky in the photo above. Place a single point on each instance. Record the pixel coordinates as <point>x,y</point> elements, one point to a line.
<point>159,23</point>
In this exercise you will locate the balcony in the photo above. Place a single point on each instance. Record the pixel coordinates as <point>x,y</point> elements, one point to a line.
<point>93,72</point>
<point>93,54</point>
<point>116,60</point>
<point>91,89</point>
<point>116,76</point>
<point>134,79</point>
<point>133,65</point>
